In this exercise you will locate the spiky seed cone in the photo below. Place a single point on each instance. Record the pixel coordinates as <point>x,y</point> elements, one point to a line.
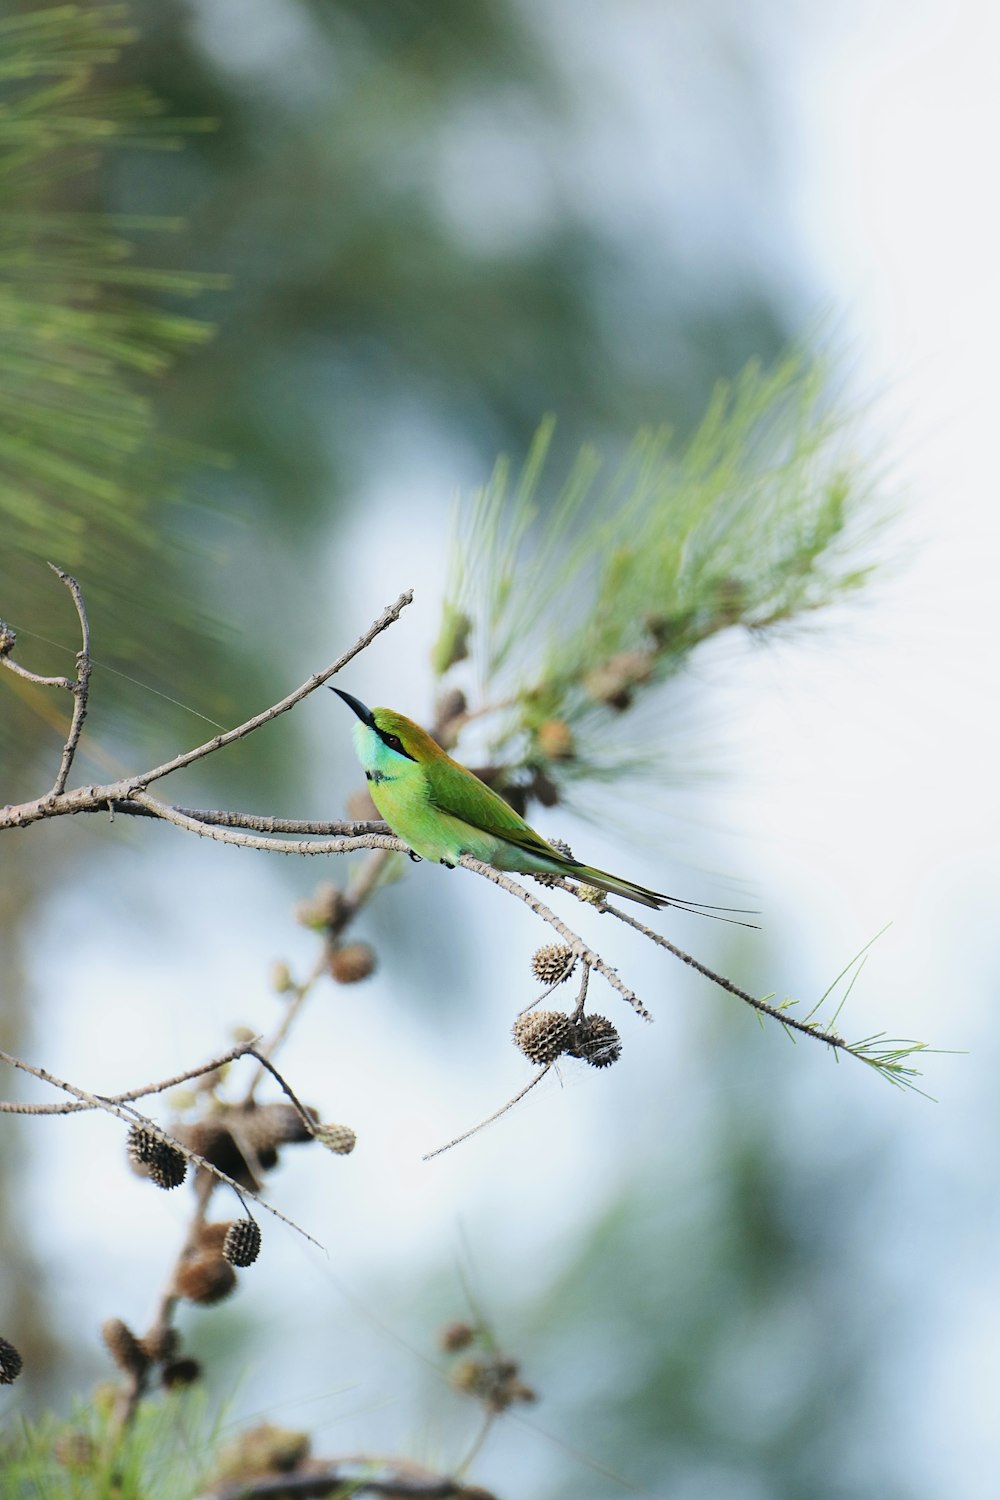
<point>543,1034</point>
<point>563,848</point>
<point>156,1159</point>
<point>597,1042</point>
<point>555,740</point>
<point>10,1363</point>
<point>205,1278</point>
<point>123,1346</point>
<point>327,907</point>
<point>337,1138</point>
<point>241,1245</point>
<point>553,964</point>
<point>8,639</point>
<point>180,1373</point>
<point>470,1376</point>
<point>456,1336</point>
<point>612,682</point>
<point>350,963</point>
<point>591,895</point>
<point>281,978</point>
<point>160,1346</point>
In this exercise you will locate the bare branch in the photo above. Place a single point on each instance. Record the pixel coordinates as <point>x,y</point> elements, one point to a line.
<point>70,1108</point>
<point>458,1139</point>
<point>80,688</point>
<point>261,822</point>
<point>60,803</point>
<point>221,835</point>
<point>346,1476</point>
<point>570,938</point>
<point>778,1014</point>
<point>390,614</point>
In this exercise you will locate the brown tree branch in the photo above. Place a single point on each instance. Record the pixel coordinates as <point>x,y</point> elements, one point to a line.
<point>345,1476</point>
<point>80,688</point>
<point>73,1107</point>
<point>58,802</point>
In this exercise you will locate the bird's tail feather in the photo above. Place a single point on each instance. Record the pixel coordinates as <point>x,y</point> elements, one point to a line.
<point>616,886</point>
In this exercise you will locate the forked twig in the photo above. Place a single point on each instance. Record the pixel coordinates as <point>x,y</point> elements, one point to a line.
<point>80,688</point>
<point>135,1117</point>
<point>569,937</point>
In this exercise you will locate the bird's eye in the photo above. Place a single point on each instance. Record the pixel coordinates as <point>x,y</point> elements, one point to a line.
<point>394,742</point>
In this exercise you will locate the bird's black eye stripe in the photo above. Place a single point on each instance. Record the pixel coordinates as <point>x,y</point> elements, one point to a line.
<point>394,743</point>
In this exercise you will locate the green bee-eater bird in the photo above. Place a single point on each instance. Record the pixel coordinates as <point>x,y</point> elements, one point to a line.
<point>442,810</point>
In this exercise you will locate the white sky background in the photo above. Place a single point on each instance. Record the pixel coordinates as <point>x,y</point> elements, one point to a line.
<point>863,791</point>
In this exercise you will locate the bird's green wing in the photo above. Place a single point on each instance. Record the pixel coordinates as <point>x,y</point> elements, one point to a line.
<point>460,793</point>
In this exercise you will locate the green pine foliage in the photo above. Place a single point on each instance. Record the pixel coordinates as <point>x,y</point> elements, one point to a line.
<point>762,518</point>
<point>77,438</point>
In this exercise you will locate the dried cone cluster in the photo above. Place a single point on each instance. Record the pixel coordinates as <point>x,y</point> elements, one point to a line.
<point>553,964</point>
<point>544,1035</point>
<point>155,1158</point>
<point>493,1380</point>
<point>489,1376</point>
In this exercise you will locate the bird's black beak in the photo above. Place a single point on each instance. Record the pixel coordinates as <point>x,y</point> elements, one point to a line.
<point>364,714</point>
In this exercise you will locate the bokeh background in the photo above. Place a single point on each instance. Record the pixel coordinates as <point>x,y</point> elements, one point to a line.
<point>731,1268</point>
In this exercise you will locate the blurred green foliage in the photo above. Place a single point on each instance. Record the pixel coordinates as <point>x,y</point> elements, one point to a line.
<point>570,611</point>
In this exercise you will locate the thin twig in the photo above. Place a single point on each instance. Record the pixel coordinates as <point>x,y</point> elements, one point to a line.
<point>390,614</point>
<point>782,1016</point>
<point>570,938</point>
<point>81,687</point>
<point>581,998</point>
<point>93,798</point>
<point>19,671</point>
<point>261,822</point>
<point>490,1118</point>
<point>70,1107</point>
<point>241,840</point>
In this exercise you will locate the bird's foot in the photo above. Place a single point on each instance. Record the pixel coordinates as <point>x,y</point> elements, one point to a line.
<point>415,857</point>
<point>447,864</point>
